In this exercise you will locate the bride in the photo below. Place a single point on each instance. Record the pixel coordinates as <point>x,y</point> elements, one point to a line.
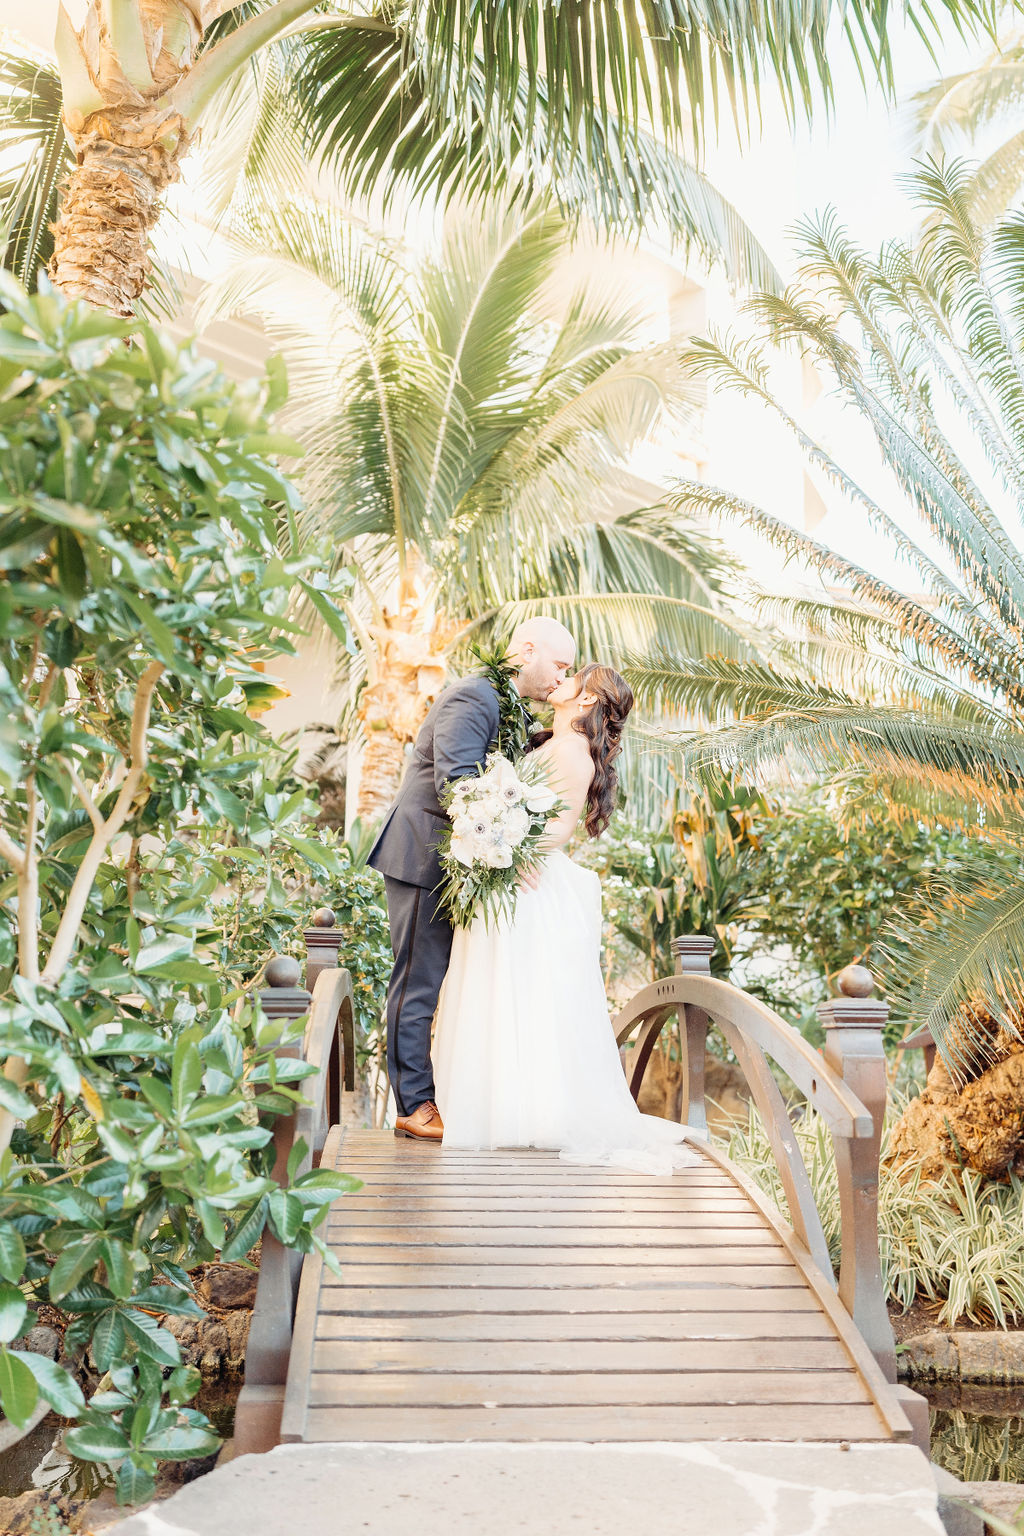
<point>524,1052</point>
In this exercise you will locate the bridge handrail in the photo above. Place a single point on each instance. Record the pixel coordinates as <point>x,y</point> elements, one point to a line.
<point>847,1086</point>
<point>328,1043</point>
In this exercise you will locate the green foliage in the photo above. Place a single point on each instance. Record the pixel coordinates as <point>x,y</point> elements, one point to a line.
<point>696,875</point>
<point>139,534</point>
<point>981,1448</point>
<point>958,1240</point>
<point>912,696</point>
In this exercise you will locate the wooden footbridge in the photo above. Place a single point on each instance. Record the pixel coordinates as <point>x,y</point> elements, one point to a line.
<point>507,1296</point>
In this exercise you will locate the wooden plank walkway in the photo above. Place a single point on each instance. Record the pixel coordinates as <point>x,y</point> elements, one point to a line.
<point>514,1297</point>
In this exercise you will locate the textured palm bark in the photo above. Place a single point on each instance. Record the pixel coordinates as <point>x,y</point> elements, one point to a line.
<point>410,672</point>
<point>126,160</point>
<point>979,1126</point>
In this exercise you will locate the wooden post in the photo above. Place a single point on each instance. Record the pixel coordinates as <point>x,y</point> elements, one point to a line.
<point>693,953</point>
<point>258,1414</point>
<point>853,1047</point>
<point>323,941</point>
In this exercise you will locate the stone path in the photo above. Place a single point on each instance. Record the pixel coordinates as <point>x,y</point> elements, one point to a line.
<point>692,1489</point>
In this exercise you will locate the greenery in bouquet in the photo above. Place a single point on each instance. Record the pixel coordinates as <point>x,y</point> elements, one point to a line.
<point>498,821</point>
<point>141,533</point>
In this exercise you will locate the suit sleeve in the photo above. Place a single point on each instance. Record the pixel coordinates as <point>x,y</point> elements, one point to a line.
<point>467,723</point>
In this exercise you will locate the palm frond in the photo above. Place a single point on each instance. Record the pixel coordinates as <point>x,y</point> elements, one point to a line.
<point>34,156</point>
<point>966,939</point>
<point>363,98</point>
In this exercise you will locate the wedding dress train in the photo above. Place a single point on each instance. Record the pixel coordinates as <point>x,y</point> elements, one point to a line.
<point>524,1054</point>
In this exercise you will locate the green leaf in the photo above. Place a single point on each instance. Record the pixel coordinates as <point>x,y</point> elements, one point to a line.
<point>151,1340</point>
<point>181,1442</point>
<point>187,1074</point>
<point>12,1099</point>
<point>246,1233</point>
<point>57,1385</point>
<point>170,947</point>
<point>120,1271</point>
<point>108,1339</point>
<point>162,637</point>
<point>12,1252</point>
<point>134,1484</point>
<point>183,1384</point>
<point>13,1311</point>
<point>97,1442</point>
<point>286,1214</point>
<point>18,1391</point>
<point>73,1262</point>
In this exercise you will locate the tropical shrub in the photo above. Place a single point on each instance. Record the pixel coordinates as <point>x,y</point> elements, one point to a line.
<point>139,535</point>
<point>956,1241</point>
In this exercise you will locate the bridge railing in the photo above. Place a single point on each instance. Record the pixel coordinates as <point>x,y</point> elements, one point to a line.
<point>328,1043</point>
<point>846,1086</point>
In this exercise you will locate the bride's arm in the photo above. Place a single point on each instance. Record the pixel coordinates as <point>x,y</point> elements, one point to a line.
<point>570,781</point>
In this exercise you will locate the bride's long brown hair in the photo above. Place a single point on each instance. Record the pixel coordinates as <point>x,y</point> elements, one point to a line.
<point>602,726</point>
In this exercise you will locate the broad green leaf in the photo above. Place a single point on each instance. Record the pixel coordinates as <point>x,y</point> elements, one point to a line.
<point>285,1213</point>
<point>108,1339</point>
<point>18,1391</point>
<point>57,1385</point>
<point>183,1384</point>
<point>162,637</point>
<point>97,1442</point>
<point>13,1311</point>
<point>152,1340</point>
<point>247,1232</point>
<point>134,1483</point>
<point>187,1074</point>
<point>120,1272</point>
<point>12,1252</point>
<point>73,1262</point>
<point>181,1442</point>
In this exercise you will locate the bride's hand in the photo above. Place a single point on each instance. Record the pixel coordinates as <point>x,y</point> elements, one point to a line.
<point>529,880</point>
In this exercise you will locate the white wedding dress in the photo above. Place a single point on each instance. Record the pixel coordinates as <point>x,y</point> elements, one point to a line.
<point>524,1054</point>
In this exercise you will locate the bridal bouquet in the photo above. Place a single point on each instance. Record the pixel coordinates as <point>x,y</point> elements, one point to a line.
<point>498,818</point>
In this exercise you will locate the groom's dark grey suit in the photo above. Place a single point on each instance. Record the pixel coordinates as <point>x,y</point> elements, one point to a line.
<point>460,729</point>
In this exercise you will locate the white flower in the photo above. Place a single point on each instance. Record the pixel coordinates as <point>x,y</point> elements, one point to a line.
<point>502,772</point>
<point>463,849</point>
<point>511,794</point>
<point>499,856</point>
<point>540,798</point>
<point>515,826</point>
<point>490,806</point>
<point>480,826</point>
<point>462,826</point>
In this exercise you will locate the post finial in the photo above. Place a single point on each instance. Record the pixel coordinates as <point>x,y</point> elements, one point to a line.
<point>283,971</point>
<point>855,981</point>
<point>323,917</point>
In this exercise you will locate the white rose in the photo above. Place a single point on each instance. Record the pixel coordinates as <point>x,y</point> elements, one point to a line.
<point>499,856</point>
<point>490,806</point>
<point>502,772</point>
<point>462,825</point>
<point>463,849</point>
<point>517,824</point>
<point>540,798</point>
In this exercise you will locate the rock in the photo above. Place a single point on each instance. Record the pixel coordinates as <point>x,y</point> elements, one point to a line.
<point>41,1340</point>
<point>929,1356</point>
<point>1004,1500</point>
<point>216,1345</point>
<point>226,1286</point>
<point>990,1355</point>
<point>956,1517</point>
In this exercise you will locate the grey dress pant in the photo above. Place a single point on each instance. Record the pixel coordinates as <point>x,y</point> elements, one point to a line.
<point>413,989</point>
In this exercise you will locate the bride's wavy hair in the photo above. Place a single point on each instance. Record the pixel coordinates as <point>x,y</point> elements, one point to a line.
<point>602,726</point>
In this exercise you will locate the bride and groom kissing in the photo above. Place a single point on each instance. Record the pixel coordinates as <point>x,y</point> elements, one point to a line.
<point>524,1054</point>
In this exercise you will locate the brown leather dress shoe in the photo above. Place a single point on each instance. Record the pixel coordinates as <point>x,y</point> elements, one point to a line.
<point>424,1124</point>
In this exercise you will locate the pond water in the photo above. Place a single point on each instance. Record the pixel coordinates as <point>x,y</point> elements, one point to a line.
<point>977,1433</point>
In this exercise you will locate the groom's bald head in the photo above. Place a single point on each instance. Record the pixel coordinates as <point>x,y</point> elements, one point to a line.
<point>543,651</point>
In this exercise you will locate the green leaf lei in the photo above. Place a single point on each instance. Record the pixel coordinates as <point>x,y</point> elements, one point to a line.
<point>516,720</point>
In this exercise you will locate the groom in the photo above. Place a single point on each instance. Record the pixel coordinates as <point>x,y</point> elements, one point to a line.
<point>460,729</point>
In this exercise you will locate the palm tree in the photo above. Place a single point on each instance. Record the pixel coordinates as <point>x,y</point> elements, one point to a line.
<point>467,447</point>
<point>485,95</point>
<point>958,109</point>
<point>917,697</point>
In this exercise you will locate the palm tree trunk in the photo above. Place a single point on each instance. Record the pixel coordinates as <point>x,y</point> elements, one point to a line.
<point>977,1126</point>
<point>126,159</point>
<point>410,671</point>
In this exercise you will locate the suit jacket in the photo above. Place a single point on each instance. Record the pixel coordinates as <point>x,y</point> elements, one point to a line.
<point>460,729</point>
